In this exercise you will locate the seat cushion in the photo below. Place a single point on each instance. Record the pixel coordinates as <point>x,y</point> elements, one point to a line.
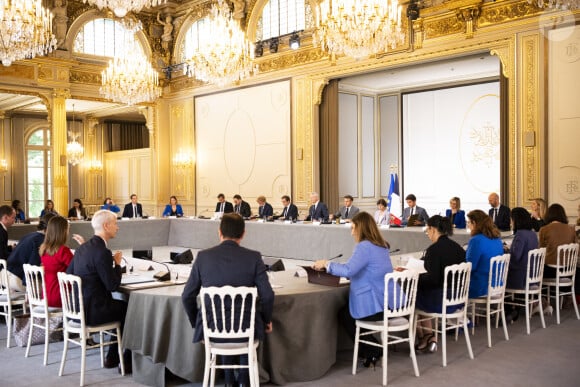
<point>51,309</point>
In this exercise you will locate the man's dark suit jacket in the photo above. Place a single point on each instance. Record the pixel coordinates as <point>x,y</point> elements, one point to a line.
<point>228,207</point>
<point>291,214</point>
<point>93,262</point>
<point>265,211</point>
<point>228,264</point>
<point>321,212</point>
<point>502,220</point>
<point>5,250</point>
<point>128,210</point>
<point>243,209</point>
<point>26,251</point>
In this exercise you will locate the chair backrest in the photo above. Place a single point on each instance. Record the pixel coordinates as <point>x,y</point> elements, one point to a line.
<point>535,269</point>
<point>498,271</point>
<point>456,284</point>
<point>228,312</point>
<point>71,295</point>
<point>567,260</point>
<point>35,286</point>
<point>4,286</point>
<point>401,288</point>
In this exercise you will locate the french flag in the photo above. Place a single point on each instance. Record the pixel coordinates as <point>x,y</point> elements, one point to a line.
<point>394,201</point>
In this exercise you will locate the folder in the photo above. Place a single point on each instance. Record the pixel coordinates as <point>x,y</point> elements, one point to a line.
<point>321,277</point>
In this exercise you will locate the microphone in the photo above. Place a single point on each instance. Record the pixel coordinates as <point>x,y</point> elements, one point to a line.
<point>338,256</point>
<point>163,275</point>
<point>395,251</point>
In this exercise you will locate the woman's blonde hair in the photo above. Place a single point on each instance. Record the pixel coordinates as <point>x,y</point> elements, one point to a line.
<point>543,207</point>
<point>366,229</point>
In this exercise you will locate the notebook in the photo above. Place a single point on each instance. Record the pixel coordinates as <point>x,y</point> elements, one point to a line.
<point>321,277</point>
<point>412,220</point>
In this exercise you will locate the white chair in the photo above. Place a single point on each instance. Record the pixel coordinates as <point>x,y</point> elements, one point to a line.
<point>9,299</point>
<point>71,294</point>
<point>533,291</point>
<point>565,277</point>
<point>455,293</point>
<point>404,286</point>
<point>498,270</point>
<point>222,322</point>
<point>36,289</point>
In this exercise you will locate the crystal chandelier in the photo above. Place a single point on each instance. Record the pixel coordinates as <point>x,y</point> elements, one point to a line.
<point>74,150</point>
<point>557,4</point>
<point>121,7</point>
<point>358,28</point>
<point>25,30</point>
<point>224,55</point>
<point>130,79</point>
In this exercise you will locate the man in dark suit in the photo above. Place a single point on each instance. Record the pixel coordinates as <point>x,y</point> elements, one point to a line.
<point>290,211</point>
<point>414,209</point>
<point>133,209</point>
<point>265,210</point>
<point>230,264</point>
<point>26,251</point>
<point>222,205</point>
<point>347,211</point>
<point>7,219</point>
<point>318,210</point>
<point>100,272</point>
<point>499,213</point>
<point>241,207</point>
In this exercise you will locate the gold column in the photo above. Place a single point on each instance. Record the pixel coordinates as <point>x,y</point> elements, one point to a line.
<point>59,140</point>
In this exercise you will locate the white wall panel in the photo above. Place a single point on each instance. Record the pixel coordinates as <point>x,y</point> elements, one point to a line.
<point>347,144</point>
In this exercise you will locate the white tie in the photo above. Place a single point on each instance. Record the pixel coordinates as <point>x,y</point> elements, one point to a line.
<point>134,211</point>
<point>222,207</point>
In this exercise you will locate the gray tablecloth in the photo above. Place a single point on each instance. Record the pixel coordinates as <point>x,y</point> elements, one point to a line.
<point>302,346</point>
<point>277,239</point>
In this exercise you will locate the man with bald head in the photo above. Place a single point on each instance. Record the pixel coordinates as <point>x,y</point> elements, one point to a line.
<point>318,210</point>
<point>499,213</point>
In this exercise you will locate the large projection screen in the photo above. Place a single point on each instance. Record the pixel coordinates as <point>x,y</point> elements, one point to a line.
<point>243,145</point>
<point>451,146</point>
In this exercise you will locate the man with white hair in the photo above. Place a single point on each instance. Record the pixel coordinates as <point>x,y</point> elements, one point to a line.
<point>93,262</point>
<point>318,210</point>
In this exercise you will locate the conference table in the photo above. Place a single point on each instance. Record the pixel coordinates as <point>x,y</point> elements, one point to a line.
<point>302,346</point>
<point>302,240</point>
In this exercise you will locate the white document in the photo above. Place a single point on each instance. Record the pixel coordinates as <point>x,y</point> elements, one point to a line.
<point>415,264</point>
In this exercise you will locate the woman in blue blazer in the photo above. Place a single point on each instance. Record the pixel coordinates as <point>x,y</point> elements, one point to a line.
<point>455,213</point>
<point>173,209</point>
<point>366,270</point>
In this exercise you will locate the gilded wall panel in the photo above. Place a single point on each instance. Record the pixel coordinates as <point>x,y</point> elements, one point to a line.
<point>505,12</point>
<point>85,77</point>
<point>440,27</point>
<point>17,71</point>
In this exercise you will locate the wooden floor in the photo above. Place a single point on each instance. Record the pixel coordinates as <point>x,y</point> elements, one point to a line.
<point>548,357</point>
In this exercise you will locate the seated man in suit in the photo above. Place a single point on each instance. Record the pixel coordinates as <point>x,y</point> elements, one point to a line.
<point>7,219</point>
<point>318,210</point>
<point>100,271</point>
<point>26,251</point>
<point>290,211</point>
<point>133,209</point>
<point>241,207</point>
<point>222,205</point>
<point>265,209</point>
<point>244,268</point>
<point>500,214</point>
<point>347,211</point>
<point>414,209</point>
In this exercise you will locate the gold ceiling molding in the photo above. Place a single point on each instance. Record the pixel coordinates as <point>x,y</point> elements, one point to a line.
<point>18,71</point>
<point>506,12</point>
<point>85,77</point>
<point>468,15</point>
<point>291,59</point>
<point>441,26</point>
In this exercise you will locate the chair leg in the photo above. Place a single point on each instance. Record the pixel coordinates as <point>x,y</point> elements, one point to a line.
<point>213,370</point>
<point>557,304</point>
<point>46,339</point>
<point>64,351</point>
<point>488,323</point>
<point>101,347</point>
<point>542,319</point>
<point>467,339</point>
<point>355,351</point>
<point>527,306</point>
<point>505,331</point>
<point>120,349</point>
<point>574,302</point>
<point>412,349</point>
<point>472,319</point>
<point>83,358</point>
<point>8,325</point>
<point>385,354</point>
<point>444,340</point>
<point>206,368</point>
<point>29,341</point>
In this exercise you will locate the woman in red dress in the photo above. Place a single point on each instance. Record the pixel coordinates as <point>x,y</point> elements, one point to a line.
<point>55,257</point>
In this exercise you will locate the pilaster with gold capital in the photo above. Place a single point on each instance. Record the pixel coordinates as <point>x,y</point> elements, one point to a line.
<point>59,140</point>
